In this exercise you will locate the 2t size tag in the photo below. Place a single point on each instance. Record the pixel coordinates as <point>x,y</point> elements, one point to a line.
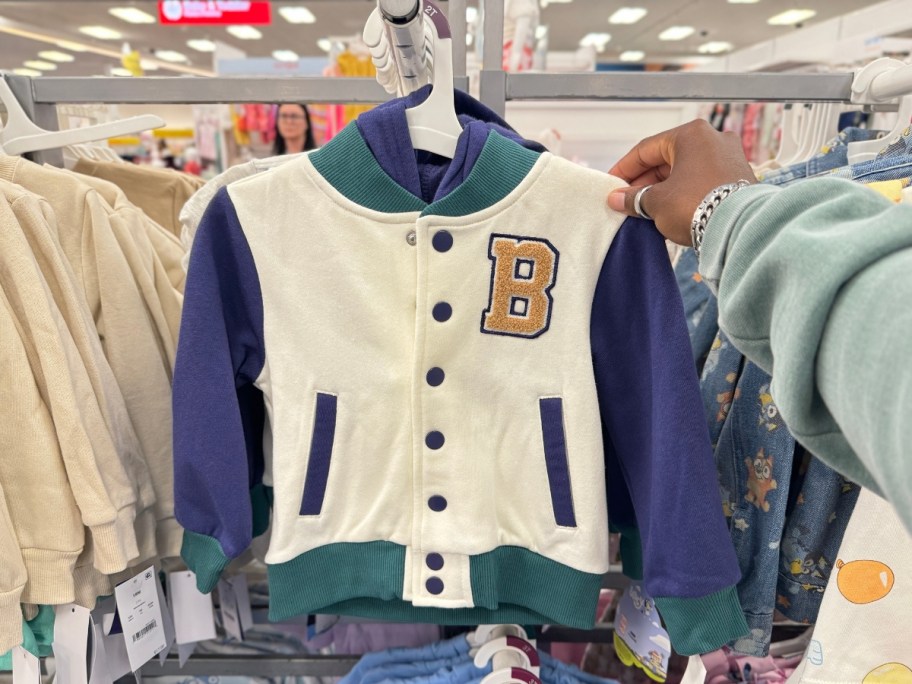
<point>26,667</point>
<point>141,616</point>
<point>639,638</point>
<point>193,615</point>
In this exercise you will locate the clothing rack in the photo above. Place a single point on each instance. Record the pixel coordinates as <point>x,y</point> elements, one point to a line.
<point>40,97</point>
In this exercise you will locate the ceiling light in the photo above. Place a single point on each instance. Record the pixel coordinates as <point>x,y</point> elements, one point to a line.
<point>627,15</point>
<point>245,32</point>
<point>101,32</point>
<point>72,47</point>
<point>677,33</point>
<point>632,55</point>
<point>56,56</point>
<point>297,15</point>
<point>545,3</point>
<point>596,40</point>
<point>201,45</point>
<point>714,47</point>
<point>148,65</point>
<point>744,2</point>
<point>791,17</point>
<point>285,55</point>
<point>120,71</point>
<point>325,44</point>
<point>27,72</point>
<point>41,66</point>
<point>170,56</point>
<point>133,15</point>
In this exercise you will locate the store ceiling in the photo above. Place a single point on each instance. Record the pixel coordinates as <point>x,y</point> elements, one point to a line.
<point>714,20</point>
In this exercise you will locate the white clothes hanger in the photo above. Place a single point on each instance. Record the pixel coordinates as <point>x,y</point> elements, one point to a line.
<point>861,88</point>
<point>20,135</point>
<point>521,652</point>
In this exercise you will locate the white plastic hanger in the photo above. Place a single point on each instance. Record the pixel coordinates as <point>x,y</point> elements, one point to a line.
<point>522,653</point>
<point>861,89</point>
<point>21,135</point>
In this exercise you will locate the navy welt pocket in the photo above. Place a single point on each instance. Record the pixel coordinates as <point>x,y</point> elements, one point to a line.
<point>321,446</point>
<point>555,443</point>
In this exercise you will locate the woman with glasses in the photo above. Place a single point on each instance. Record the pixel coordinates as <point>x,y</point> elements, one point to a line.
<point>293,130</point>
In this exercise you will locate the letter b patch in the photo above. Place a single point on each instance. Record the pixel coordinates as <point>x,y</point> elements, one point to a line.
<point>523,272</point>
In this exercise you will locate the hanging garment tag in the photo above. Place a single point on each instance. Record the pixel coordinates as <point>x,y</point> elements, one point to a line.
<point>242,593</point>
<point>168,622</point>
<point>184,651</point>
<point>696,671</point>
<point>639,638</point>
<point>71,643</point>
<point>98,672</point>
<point>118,662</point>
<point>141,617</point>
<point>231,616</point>
<point>193,614</point>
<point>26,667</point>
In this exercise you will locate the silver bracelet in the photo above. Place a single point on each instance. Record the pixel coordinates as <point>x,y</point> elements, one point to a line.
<point>705,211</point>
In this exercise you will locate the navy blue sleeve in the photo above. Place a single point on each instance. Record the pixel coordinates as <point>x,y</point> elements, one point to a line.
<point>218,413</point>
<point>662,484</point>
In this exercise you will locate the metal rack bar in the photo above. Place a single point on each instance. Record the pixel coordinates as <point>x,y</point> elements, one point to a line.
<point>456,15</point>
<point>681,86</point>
<point>493,77</point>
<point>217,665</point>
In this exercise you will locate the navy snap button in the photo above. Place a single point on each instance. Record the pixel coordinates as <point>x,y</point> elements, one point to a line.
<point>434,585</point>
<point>442,241</point>
<point>437,504</point>
<point>434,561</point>
<point>435,377</point>
<point>434,440</point>
<point>442,312</point>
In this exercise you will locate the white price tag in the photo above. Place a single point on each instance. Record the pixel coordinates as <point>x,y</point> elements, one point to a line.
<point>141,618</point>
<point>26,667</point>
<point>193,615</point>
<point>231,618</point>
<point>696,671</point>
<point>118,661</point>
<point>71,643</point>
<point>184,651</point>
<point>167,610</point>
<point>99,671</point>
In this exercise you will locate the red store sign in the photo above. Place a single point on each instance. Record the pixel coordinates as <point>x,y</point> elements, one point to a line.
<point>214,12</point>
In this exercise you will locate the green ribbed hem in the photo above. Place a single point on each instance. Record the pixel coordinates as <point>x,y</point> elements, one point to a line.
<point>347,164</point>
<point>261,504</point>
<point>701,625</point>
<point>509,585</point>
<point>204,556</point>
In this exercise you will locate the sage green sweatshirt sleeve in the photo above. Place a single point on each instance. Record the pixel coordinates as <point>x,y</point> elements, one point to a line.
<point>815,286</point>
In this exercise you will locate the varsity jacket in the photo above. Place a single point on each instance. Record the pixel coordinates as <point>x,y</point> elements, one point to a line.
<point>449,374</point>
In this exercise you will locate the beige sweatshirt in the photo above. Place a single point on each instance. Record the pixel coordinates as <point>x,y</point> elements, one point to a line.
<point>103,490</point>
<point>39,226</point>
<point>163,301</point>
<point>128,336</point>
<point>12,581</point>
<point>160,193</point>
<point>41,503</point>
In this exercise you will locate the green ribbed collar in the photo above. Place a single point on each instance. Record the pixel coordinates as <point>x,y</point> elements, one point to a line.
<point>347,164</point>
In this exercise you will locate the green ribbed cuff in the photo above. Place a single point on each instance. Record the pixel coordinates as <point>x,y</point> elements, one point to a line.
<point>701,625</point>
<point>204,556</point>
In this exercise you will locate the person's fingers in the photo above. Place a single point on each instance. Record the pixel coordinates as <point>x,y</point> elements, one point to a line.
<point>655,151</point>
<point>653,176</point>
<point>624,200</point>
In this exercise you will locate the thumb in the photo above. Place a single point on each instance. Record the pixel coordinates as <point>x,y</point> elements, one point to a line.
<point>623,200</point>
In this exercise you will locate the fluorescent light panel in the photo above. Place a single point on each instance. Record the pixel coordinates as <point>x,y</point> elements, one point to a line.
<point>325,44</point>
<point>132,15</point>
<point>56,56</point>
<point>714,47</point>
<point>201,45</point>
<point>120,71</point>
<point>743,2</point>
<point>27,72</point>
<point>632,55</point>
<point>171,56</point>
<point>297,15</point>
<point>72,47</point>
<point>285,55</point>
<point>596,40</point>
<point>40,65</point>
<point>677,33</point>
<point>791,17</point>
<point>101,32</point>
<point>245,32</point>
<point>148,65</point>
<point>627,15</point>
